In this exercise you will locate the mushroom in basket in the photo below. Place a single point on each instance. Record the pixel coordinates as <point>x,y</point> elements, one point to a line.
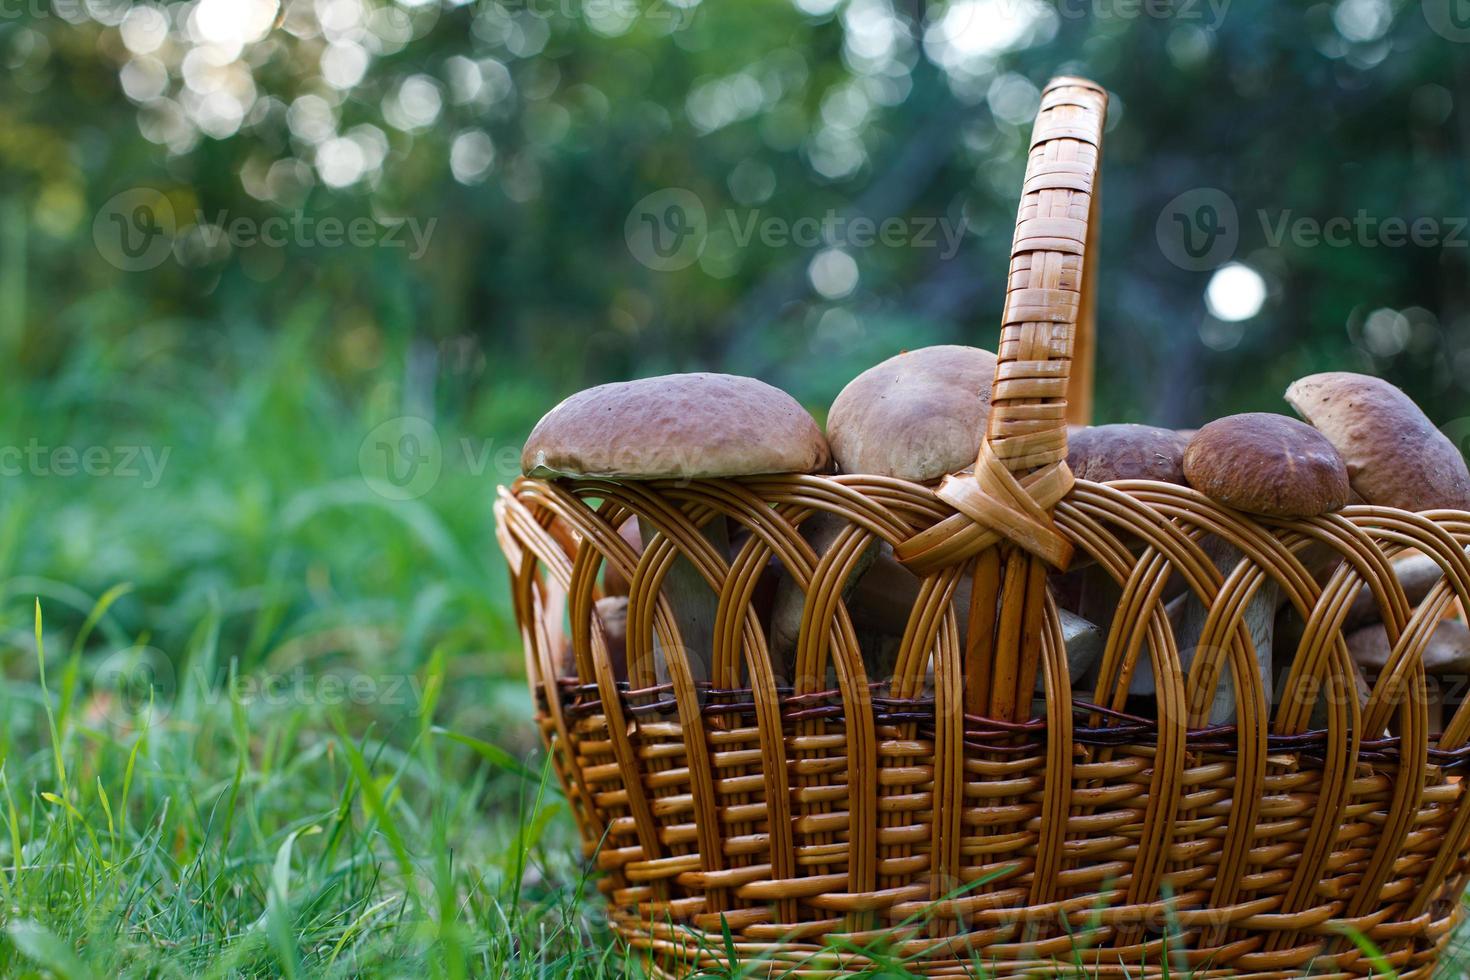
<point>678,427</point>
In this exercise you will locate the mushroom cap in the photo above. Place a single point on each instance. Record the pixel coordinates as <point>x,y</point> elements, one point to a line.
<point>1395,456</point>
<point>1447,652</point>
<point>1267,464</point>
<point>686,426</point>
<point>916,416</point>
<point>1126,452</point>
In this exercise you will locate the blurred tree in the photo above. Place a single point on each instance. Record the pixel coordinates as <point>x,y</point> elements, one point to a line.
<point>511,144</point>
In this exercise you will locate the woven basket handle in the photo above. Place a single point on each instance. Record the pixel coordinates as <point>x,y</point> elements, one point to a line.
<point>1045,345</point>
<point>1046,339</point>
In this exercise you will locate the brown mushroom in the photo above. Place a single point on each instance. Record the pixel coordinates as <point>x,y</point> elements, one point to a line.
<point>682,426</point>
<point>1187,616</point>
<point>1267,464</point>
<point>1103,453</point>
<point>1395,456</point>
<point>916,416</point>
<point>1448,648</point>
<point>1263,464</point>
<point>1416,574</point>
<point>1446,660</point>
<point>1290,629</point>
<point>883,600</point>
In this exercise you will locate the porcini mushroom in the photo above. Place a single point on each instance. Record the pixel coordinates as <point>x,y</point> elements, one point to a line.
<point>916,416</point>
<point>683,427</point>
<point>1084,643</point>
<point>1395,456</point>
<point>1103,453</point>
<point>882,601</point>
<point>1263,464</point>
<point>1267,464</point>
<point>821,531</point>
<point>1446,660</point>
<point>1416,574</point>
<point>1187,616</point>
<point>679,426</point>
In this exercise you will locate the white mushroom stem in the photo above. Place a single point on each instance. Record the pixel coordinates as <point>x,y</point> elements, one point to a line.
<point>693,603</point>
<point>1090,591</point>
<point>1187,616</point>
<point>1287,641</point>
<point>614,583</point>
<point>1084,641</point>
<point>821,532</point>
<point>884,598</point>
<point>1417,574</point>
<point>1446,660</point>
<point>612,615</point>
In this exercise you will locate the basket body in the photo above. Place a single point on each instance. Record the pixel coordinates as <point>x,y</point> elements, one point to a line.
<point>799,799</point>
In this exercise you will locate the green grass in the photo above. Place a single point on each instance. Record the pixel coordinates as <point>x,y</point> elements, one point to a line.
<point>215,836</point>
<point>257,718</point>
<point>270,722</point>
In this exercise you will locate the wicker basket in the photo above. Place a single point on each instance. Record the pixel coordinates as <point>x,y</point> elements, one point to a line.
<point>941,815</point>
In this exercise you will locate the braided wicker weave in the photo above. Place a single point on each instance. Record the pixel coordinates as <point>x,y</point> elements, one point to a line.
<point>941,810</point>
